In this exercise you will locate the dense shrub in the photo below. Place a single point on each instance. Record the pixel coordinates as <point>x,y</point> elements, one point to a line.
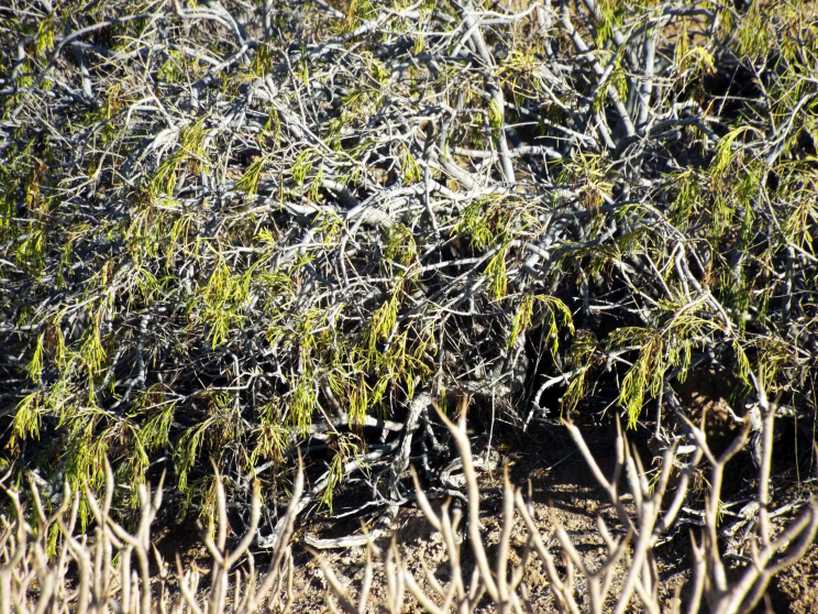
<point>234,232</point>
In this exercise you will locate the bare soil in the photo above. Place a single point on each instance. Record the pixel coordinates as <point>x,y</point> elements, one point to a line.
<point>562,493</point>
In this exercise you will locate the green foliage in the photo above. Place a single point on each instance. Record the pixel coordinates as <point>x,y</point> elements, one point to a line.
<point>347,450</point>
<point>410,169</point>
<point>221,302</point>
<point>688,200</point>
<point>35,367</point>
<point>495,115</point>
<point>725,154</point>
<point>384,319</point>
<point>272,437</point>
<point>357,11</point>
<point>486,222</point>
<point>303,403</point>
<point>580,357</point>
<point>752,37</point>
<point>799,182</point>
<point>554,313</point>
<point>248,182</point>
<point>591,173</point>
<point>191,150</point>
<point>400,245</point>
<point>302,165</point>
<point>44,40</point>
<point>611,13</point>
<point>228,252</point>
<point>27,419</point>
<point>697,60</point>
<point>497,274</point>
<point>660,349</point>
<point>188,449</point>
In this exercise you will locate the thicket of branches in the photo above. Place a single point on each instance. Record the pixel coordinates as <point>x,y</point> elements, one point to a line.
<point>232,233</point>
<point>49,563</point>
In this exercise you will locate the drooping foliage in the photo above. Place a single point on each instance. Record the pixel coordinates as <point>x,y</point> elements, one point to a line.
<point>234,231</point>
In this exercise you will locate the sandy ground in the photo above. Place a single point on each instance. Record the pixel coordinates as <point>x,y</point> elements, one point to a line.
<point>562,493</point>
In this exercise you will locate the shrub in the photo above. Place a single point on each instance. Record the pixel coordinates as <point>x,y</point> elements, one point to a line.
<point>231,234</point>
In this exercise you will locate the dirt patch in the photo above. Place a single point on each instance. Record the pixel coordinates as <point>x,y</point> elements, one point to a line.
<point>561,493</point>
<point>797,586</point>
